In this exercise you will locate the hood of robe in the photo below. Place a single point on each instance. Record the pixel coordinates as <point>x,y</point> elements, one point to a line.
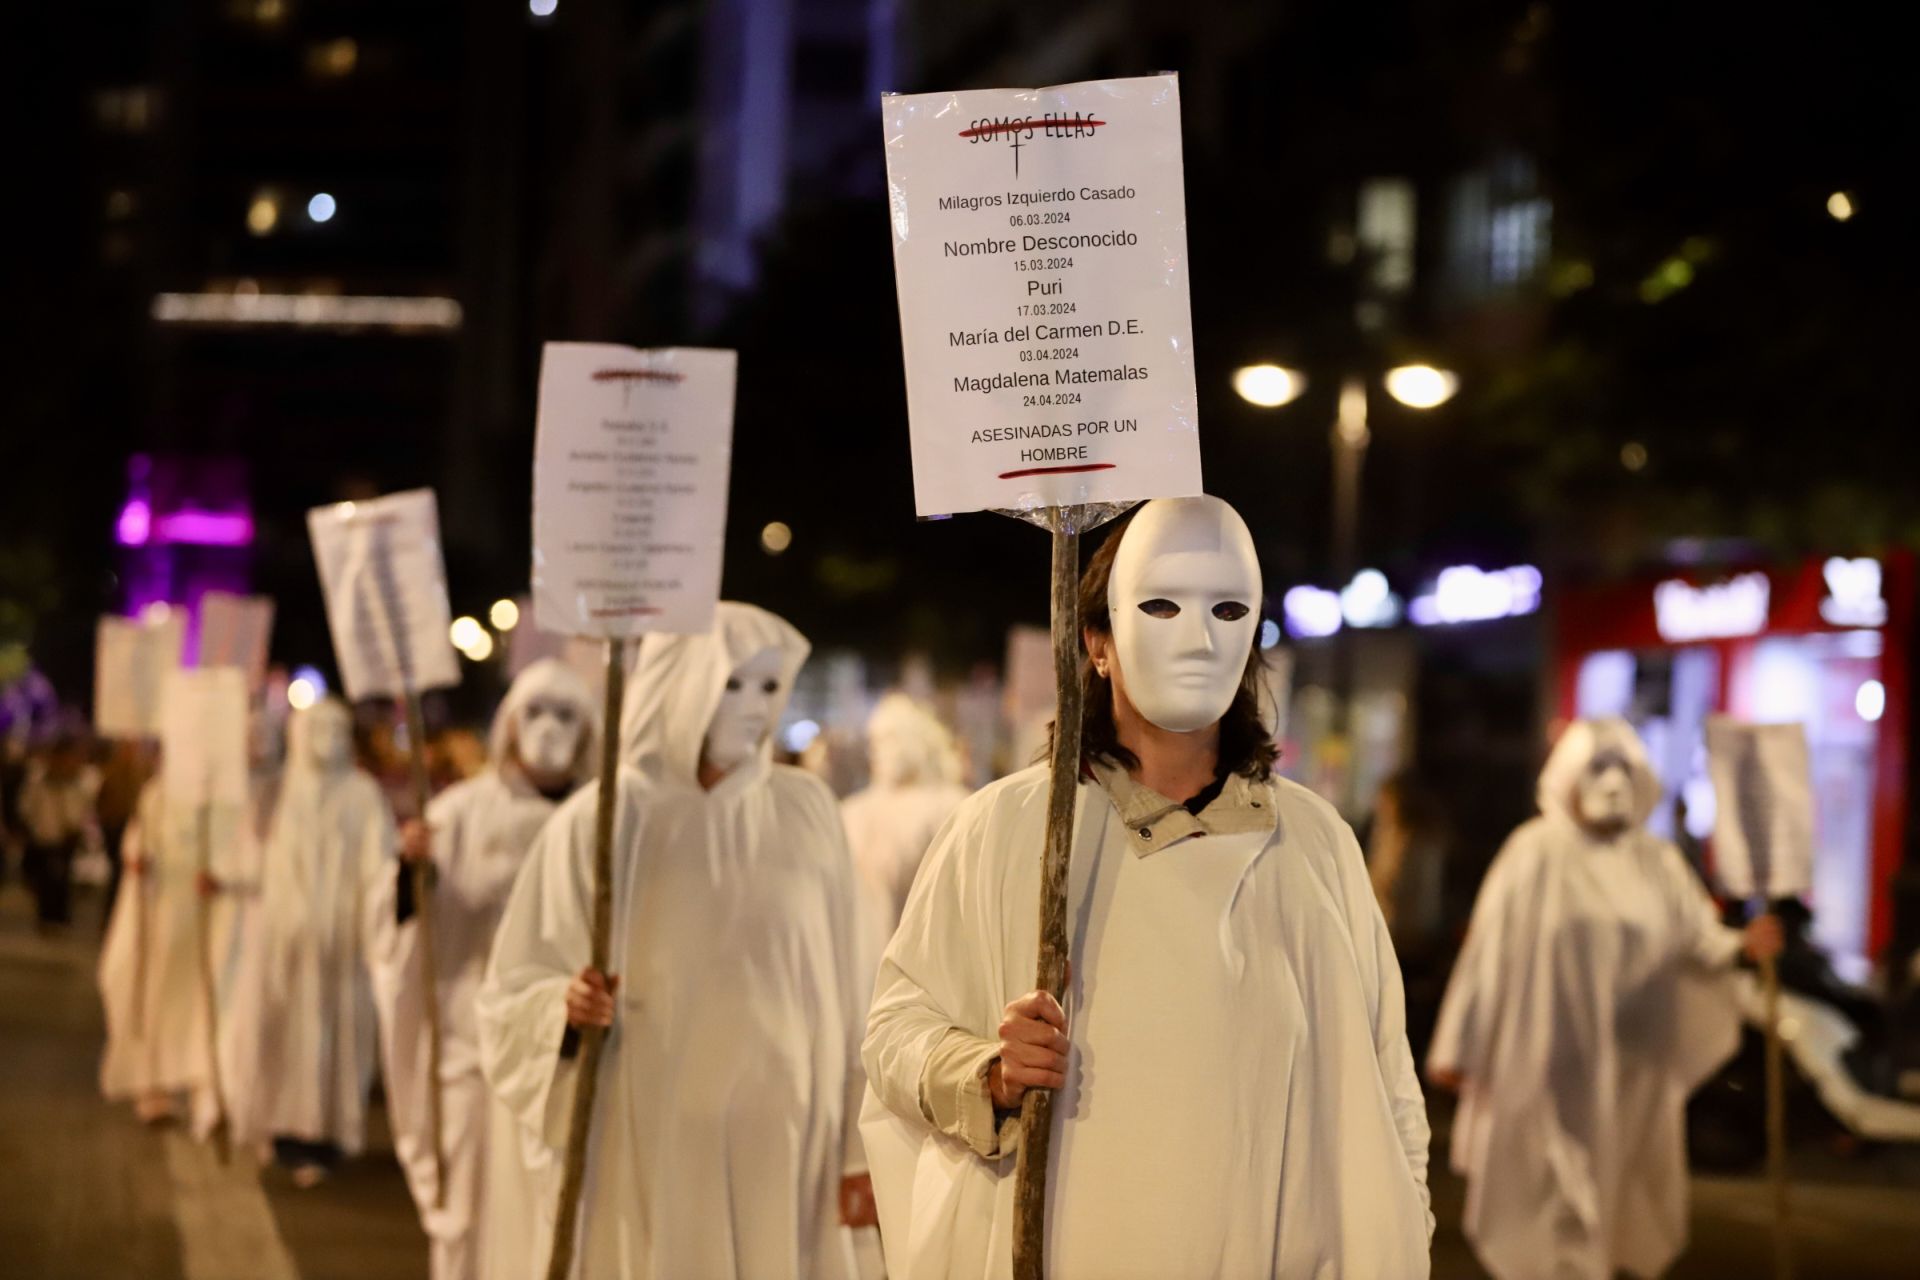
<point>676,683</point>
<point>1582,741</point>
<point>554,679</point>
<point>300,755</point>
<point>907,744</point>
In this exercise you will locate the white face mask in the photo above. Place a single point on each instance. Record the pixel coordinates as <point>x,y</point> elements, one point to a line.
<point>745,714</point>
<point>547,737</point>
<point>1603,797</point>
<point>1185,603</point>
<point>329,737</point>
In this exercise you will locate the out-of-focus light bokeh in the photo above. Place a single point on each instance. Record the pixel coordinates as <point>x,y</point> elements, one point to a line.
<point>1421,386</point>
<point>1268,385</point>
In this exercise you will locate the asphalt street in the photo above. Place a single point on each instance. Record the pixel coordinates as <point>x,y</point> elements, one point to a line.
<point>88,1193</point>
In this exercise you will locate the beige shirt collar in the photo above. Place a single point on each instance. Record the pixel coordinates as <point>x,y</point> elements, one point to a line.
<point>1153,822</point>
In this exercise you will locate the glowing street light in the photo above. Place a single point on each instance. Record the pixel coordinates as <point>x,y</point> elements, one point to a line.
<point>481,649</point>
<point>466,633</point>
<point>1421,386</point>
<point>322,207</point>
<point>1840,206</point>
<point>505,615</point>
<point>775,538</point>
<point>1268,385</point>
<point>263,215</point>
<point>301,694</point>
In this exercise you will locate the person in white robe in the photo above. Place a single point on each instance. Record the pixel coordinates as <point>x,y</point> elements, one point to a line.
<point>1234,1091</point>
<point>1590,999</point>
<point>313,1068</point>
<point>475,838</point>
<point>723,1130</point>
<point>153,980</point>
<point>914,788</point>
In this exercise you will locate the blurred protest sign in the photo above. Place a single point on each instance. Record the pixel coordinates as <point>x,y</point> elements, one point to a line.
<point>630,469</point>
<point>1763,789</point>
<point>203,736</point>
<point>386,590</point>
<point>132,659</point>
<point>234,632</point>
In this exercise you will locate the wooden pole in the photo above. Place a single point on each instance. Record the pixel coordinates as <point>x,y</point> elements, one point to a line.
<point>1036,1107</point>
<point>137,885</point>
<point>421,873</point>
<point>592,1039</point>
<point>1777,1123</point>
<point>204,921</point>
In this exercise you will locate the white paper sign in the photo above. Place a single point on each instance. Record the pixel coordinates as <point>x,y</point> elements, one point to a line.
<point>203,736</point>
<point>630,488</point>
<point>1763,795</point>
<point>132,659</point>
<point>1040,249</point>
<point>234,631</point>
<point>386,590</point>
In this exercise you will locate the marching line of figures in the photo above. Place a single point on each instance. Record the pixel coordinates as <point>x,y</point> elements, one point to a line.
<point>807,1039</point>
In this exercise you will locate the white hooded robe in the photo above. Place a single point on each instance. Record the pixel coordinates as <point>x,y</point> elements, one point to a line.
<point>1240,1098</point>
<point>313,1066</point>
<point>1590,999</point>
<point>724,1109</point>
<point>163,1047</point>
<point>482,830</point>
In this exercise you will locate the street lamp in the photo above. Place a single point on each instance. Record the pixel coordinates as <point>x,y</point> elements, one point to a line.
<point>1268,385</point>
<point>1421,386</point>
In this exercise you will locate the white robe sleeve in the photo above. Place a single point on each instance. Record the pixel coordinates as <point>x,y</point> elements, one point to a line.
<point>1710,945</point>
<point>1463,1036</point>
<point>853,937</point>
<point>940,970</point>
<point>545,938</point>
<point>1381,967</point>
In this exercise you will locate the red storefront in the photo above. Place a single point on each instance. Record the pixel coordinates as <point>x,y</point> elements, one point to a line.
<point>1824,643</point>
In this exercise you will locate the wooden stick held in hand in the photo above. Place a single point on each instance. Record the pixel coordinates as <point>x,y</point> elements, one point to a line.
<point>204,920</point>
<point>1777,1122</point>
<point>592,1039</point>
<point>421,873</point>
<point>1036,1107</point>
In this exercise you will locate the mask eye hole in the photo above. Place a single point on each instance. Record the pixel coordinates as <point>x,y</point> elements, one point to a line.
<point>1159,608</point>
<point>1230,611</point>
<point>770,687</point>
<point>733,684</point>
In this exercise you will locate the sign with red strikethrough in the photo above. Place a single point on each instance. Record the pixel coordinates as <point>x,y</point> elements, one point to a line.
<point>1040,250</point>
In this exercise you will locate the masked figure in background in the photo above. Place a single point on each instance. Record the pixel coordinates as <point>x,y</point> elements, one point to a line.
<point>890,824</point>
<point>475,838</point>
<point>315,1060</point>
<point>153,976</point>
<point>1234,1092</point>
<point>1588,1002</point>
<point>722,1124</point>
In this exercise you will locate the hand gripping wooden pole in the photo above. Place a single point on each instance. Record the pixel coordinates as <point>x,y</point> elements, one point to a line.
<point>1777,1123</point>
<point>421,873</point>
<point>592,1039</point>
<point>1036,1107</point>
<point>208,992</point>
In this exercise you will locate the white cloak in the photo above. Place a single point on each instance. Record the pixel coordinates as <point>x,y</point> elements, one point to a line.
<point>482,830</point>
<point>1240,1099</point>
<point>890,829</point>
<point>724,1107</point>
<point>163,1047</point>
<point>313,1066</point>
<point>1590,999</point>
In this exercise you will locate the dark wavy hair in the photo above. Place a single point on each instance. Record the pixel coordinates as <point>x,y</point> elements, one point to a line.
<point>1246,747</point>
